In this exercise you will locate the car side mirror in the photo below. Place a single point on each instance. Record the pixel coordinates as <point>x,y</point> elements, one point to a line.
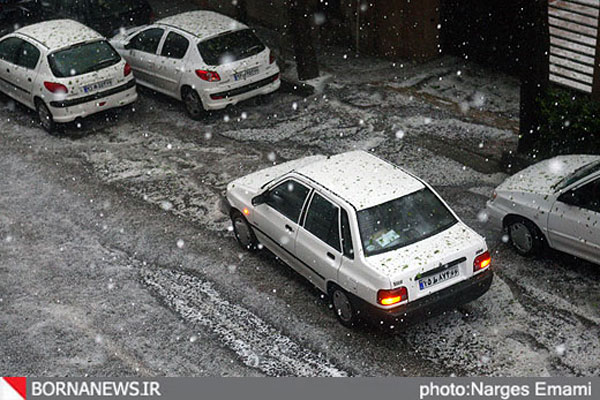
<point>127,45</point>
<point>260,199</point>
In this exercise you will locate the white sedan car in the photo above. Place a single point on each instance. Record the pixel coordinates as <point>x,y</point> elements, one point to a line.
<point>205,59</point>
<point>379,241</point>
<point>554,202</point>
<point>63,70</point>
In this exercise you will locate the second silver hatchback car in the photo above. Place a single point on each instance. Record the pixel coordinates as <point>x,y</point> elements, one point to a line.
<point>206,59</point>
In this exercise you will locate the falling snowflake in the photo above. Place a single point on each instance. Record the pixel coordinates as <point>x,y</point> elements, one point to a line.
<point>166,205</point>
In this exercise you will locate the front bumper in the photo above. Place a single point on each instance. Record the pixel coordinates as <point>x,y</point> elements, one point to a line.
<point>495,215</point>
<point>69,110</point>
<point>426,307</point>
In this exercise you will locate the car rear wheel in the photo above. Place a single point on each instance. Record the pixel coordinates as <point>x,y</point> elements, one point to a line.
<point>342,307</point>
<point>525,237</point>
<point>243,232</point>
<point>45,117</point>
<point>193,104</point>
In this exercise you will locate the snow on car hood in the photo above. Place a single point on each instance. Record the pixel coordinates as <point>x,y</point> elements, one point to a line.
<point>455,242</point>
<point>541,177</point>
<point>256,180</point>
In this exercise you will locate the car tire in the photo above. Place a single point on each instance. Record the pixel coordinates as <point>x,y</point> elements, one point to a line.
<point>525,236</point>
<point>343,307</point>
<point>243,232</point>
<point>45,117</point>
<point>193,104</point>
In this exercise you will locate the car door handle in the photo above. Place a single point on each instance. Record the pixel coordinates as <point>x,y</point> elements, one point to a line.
<point>330,255</point>
<point>8,70</point>
<point>289,228</point>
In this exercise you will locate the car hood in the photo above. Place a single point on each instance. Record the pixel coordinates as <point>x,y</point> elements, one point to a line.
<point>256,181</point>
<point>541,178</point>
<point>407,262</point>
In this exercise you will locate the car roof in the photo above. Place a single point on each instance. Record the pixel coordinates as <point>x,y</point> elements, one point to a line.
<point>361,179</point>
<point>59,33</point>
<point>202,24</point>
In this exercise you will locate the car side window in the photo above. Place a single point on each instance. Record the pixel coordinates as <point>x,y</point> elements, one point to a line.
<point>28,56</point>
<point>9,49</point>
<point>288,198</point>
<point>322,220</point>
<point>146,41</point>
<point>587,196</point>
<point>175,46</point>
<point>347,236</point>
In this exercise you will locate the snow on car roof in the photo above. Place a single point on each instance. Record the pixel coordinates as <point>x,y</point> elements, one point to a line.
<point>202,24</point>
<point>361,179</point>
<point>59,33</point>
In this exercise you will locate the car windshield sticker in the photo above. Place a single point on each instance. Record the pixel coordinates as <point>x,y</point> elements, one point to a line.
<point>387,238</point>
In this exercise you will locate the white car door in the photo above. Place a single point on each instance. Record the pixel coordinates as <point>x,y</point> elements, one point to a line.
<point>25,71</point>
<point>276,220</point>
<point>574,222</point>
<point>171,62</point>
<point>140,53</point>
<point>9,50</point>
<point>318,243</point>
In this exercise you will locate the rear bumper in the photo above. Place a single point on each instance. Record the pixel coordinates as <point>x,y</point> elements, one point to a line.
<point>426,307</point>
<point>220,100</point>
<point>63,112</point>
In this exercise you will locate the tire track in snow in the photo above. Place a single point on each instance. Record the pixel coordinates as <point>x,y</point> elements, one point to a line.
<point>257,343</point>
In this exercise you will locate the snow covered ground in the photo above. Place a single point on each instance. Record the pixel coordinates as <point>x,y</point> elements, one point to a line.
<point>116,257</point>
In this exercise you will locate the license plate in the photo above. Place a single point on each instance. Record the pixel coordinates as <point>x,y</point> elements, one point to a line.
<point>240,76</point>
<point>97,86</point>
<point>440,277</point>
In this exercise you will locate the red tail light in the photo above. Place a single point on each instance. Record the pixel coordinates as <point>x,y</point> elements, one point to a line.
<point>271,58</point>
<point>482,261</point>
<point>209,76</point>
<point>55,87</point>
<point>394,296</point>
<point>127,69</point>
<point>152,16</point>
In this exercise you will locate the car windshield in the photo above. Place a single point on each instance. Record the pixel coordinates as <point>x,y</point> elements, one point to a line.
<point>579,173</point>
<point>83,58</point>
<point>230,47</point>
<point>403,221</point>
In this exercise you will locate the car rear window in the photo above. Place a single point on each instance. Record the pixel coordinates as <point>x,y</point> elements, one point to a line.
<point>82,59</point>
<point>230,47</point>
<point>403,221</point>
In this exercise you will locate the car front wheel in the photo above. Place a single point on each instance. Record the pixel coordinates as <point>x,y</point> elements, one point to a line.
<point>243,232</point>
<point>525,237</point>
